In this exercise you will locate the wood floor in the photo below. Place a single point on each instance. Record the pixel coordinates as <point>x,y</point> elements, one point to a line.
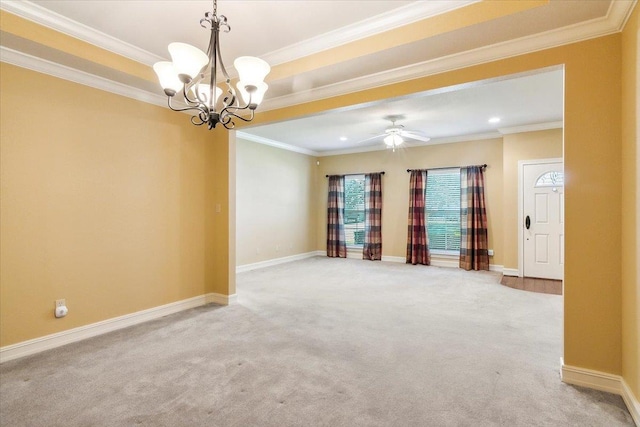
<point>531,284</point>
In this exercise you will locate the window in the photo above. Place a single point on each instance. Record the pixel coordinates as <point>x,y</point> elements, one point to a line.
<point>354,210</point>
<point>443,210</point>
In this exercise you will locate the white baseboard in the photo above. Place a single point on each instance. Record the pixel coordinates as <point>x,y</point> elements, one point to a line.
<point>591,379</point>
<point>511,272</point>
<point>222,299</point>
<point>438,261</point>
<point>632,402</point>
<point>58,339</point>
<point>435,261</point>
<point>448,263</point>
<point>456,264</point>
<point>496,267</point>
<point>276,261</point>
<point>353,253</point>
<point>604,382</point>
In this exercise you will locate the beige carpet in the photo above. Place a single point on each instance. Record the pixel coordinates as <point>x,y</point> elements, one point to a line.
<point>322,342</point>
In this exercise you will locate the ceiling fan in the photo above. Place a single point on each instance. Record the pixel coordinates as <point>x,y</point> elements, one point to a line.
<point>395,135</point>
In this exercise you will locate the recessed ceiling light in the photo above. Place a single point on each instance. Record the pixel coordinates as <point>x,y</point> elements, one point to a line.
<point>343,138</point>
<point>494,120</point>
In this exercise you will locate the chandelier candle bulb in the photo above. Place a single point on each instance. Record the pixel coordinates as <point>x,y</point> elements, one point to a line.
<point>191,66</point>
<point>252,94</point>
<point>258,95</point>
<point>204,93</point>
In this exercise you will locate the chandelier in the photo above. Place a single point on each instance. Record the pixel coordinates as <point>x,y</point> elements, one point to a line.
<point>193,75</point>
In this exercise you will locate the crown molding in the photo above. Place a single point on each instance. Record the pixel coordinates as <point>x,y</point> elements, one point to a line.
<point>401,16</point>
<point>277,144</point>
<point>464,138</point>
<point>612,23</point>
<point>40,65</point>
<point>367,149</point>
<point>619,13</point>
<point>433,141</point>
<point>398,17</point>
<point>532,128</point>
<point>55,21</point>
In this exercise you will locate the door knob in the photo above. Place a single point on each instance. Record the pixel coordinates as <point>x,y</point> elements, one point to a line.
<point>527,222</point>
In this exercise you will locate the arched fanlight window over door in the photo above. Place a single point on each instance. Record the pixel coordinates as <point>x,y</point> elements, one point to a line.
<point>550,179</point>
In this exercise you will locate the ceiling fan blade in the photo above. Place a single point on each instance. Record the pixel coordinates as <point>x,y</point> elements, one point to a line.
<point>415,135</point>
<point>370,139</point>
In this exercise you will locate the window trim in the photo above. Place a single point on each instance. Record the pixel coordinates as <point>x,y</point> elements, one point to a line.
<point>354,176</point>
<point>441,171</point>
<point>444,252</point>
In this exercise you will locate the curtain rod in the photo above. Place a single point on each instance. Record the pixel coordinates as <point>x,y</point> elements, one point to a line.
<point>448,167</point>
<point>347,174</point>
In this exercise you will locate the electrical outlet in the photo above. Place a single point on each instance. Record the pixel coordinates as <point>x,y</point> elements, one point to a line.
<point>61,308</point>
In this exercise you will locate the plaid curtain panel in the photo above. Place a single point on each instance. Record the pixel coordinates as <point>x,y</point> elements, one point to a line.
<point>417,239</point>
<point>336,242</point>
<point>372,248</point>
<point>474,254</point>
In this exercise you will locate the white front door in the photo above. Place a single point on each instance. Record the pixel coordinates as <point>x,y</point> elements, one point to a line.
<point>543,220</point>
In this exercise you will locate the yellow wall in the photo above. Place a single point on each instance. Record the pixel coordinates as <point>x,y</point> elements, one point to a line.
<point>395,186</point>
<point>522,146</point>
<point>219,214</point>
<point>631,205</point>
<point>275,203</point>
<point>103,203</point>
<point>592,291</point>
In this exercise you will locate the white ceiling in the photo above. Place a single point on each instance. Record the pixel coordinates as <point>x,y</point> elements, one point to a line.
<point>533,101</point>
<point>285,31</point>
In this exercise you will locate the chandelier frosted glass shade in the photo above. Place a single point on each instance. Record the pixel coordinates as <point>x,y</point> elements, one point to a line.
<point>168,77</point>
<point>251,70</point>
<point>187,60</point>
<point>253,98</point>
<point>185,77</point>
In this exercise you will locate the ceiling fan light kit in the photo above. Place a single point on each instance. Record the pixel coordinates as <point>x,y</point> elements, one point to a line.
<point>393,140</point>
<point>186,74</point>
<point>395,135</point>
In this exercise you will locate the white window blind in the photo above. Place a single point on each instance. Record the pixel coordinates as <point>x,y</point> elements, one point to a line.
<point>443,209</point>
<point>354,210</point>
